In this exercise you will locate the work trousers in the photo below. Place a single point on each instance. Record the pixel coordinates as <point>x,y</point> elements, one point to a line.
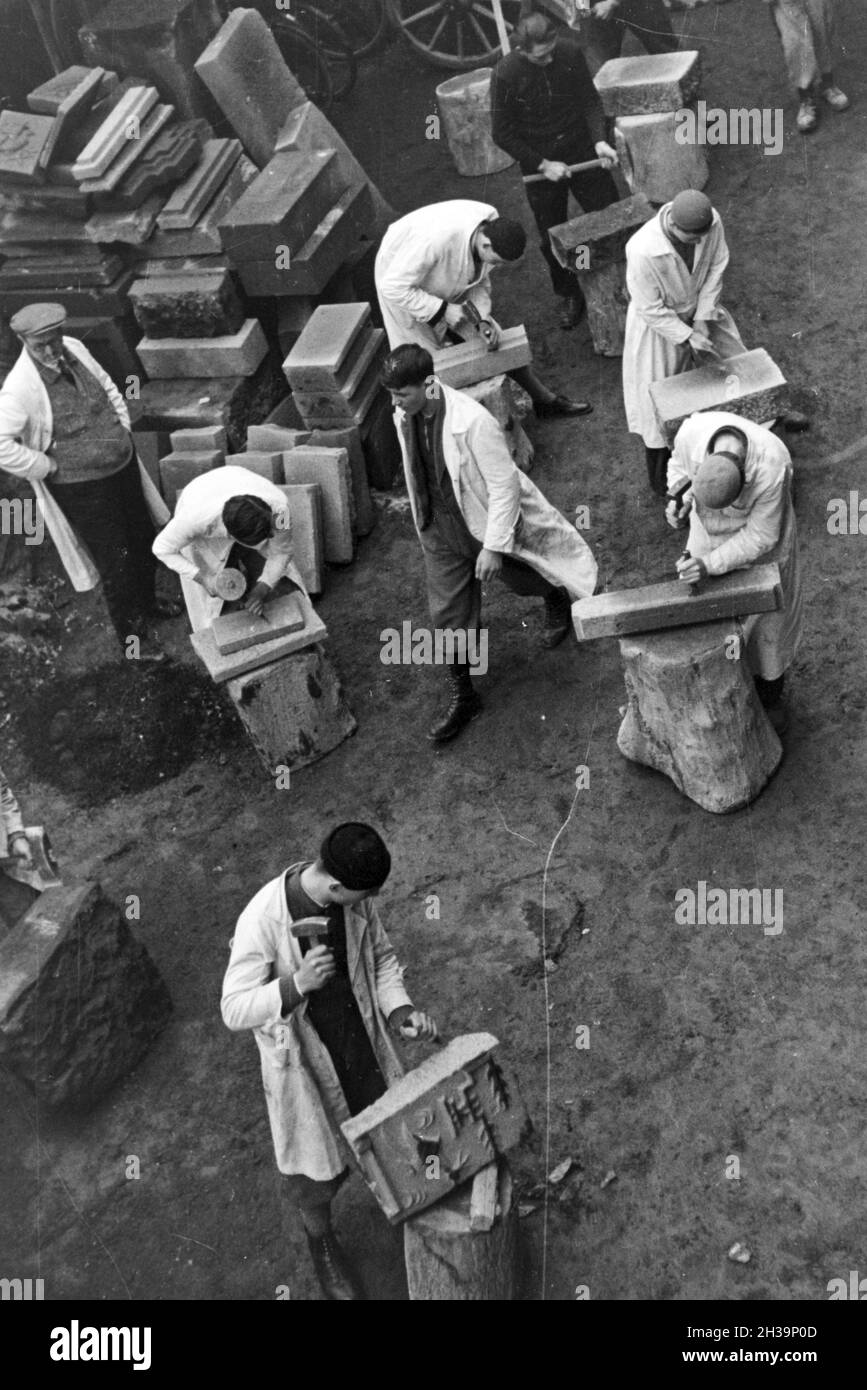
<point>112,519</point>
<point>450,553</point>
<point>806,29</point>
<point>649,21</point>
<point>549,204</point>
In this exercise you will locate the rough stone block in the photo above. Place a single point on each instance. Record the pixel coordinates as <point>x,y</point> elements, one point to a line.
<point>459,1104</point>
<point>294,710</point>
<point>317,359</point>
<point>308,533</point>
<point>112,136</point>
<point>209,437</point>
<point>267,465</point>
<point>81,1001</point>
<point>470,362</point>
<point>199,305</point>
<point>198,189</point>
<point>653,161</point>
<point>226,668</point>
<point>236,632</point>
<point>178,469</point>
<point>282,207</point>
<point>155,121</point>
<point>133,227</point>
<point>603,233</point>
<point>330,469</point>
<point>244,70</point>
<point>167,158</point>
<point>235,354</point>
<point>750,385</point>
<point>344,229</point>
<point>25,141</point>
<point>649,84</point>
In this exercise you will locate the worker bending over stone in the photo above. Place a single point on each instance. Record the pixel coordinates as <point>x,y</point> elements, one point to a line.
<point>228,518</point>
<point>323,1017</point>
<point>433,281</point>
<point>735,484</point>
<point>477,516</point>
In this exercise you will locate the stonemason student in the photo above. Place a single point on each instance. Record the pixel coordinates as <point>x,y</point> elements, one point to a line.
<point>477,516</point>
<point>807,33</point>
<point>228,517</point>
<point>739,507</point>
<point>65,428</point>
<point>546,113</point>
<point>323,1018</point>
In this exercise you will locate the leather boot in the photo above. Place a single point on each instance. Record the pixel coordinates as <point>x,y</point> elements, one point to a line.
<point>464,704</point>
<point>335,1275</point>
<point>558,617</point>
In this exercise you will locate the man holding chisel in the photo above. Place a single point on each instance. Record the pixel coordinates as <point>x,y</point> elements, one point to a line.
<point>313,973</point>
<point>546,113</point>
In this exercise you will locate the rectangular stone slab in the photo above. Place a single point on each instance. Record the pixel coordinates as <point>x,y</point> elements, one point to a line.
<point>282,207</point>
<point>74,82</point>
<point>204,238</point>
<point>193,195</point>
<point>651,83</point>
<point>224,401</point>
<point>82,301</point>
<point>369,347</point>
<point>330,469</point>
<point>265,464</point>
<point>24,138</point>
<point>459,1104</point>
<point>308,533</point>
<point>112,137</point>
<point>236,632</point>
<point>673,604</point>
<point>604,233</point>
<point>466,363</point>
<point>340,233</point>
<point>750,385</point>
<point>237,354</point>
<point>319,411</point>
<point>245,73</point>
<point>316,360</point>
<point>225,668</point>
<point>195,441</point>
<point>153,123</point>
<point>269,436</point>
<point>349,438</point>
<point>177,469</point>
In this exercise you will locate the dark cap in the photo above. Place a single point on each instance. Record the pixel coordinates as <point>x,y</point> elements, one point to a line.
<point>508,238</point>
<point>691,211</point>
<point>38,318</point>
<point>355,855</point>
<point>248,519</point>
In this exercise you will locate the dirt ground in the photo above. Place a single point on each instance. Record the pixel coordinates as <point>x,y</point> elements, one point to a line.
<point>705,1042</point>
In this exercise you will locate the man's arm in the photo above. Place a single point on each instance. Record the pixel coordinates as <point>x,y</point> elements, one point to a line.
<point>645,295</point>
<point>15,457</point>
<point>170,543</point>
<point>502,481</point>
<point>401,283</point>
<point>251,996</point>
<point>758,536</point>
<point>711,288</point>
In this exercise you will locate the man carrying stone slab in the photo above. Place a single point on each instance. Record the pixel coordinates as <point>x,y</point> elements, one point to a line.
<point>64,426</point>
<point>546,113</point>
<point>434,266</point>
<point>807,33</point>
<point>323,1016</point>
<point>737,500</point>
<point>228,518</point>
<point>477,516</point>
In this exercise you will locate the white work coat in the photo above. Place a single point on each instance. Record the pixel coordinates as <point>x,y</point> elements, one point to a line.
<point>758,527</point>
<point>425,258</point>
<point>500,505</point>
<point>665,300</point>
<point>196,539</point>
<point>304,1098</point>
<point>26,431</point>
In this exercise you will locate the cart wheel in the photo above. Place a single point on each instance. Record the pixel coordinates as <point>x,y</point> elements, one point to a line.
<point>458,34</point>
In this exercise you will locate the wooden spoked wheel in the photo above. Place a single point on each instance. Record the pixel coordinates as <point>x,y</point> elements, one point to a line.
<point>458,34</point>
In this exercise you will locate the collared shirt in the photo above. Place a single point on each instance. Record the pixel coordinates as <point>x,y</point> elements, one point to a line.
<point>89,441</point>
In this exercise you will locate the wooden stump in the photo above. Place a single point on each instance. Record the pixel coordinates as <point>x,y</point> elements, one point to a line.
<point>694,714</point>
<point>446,1259</point>
<point>465,108</point>
<point>294,709</point>
<point>594,247</point>
<point>652,159</point>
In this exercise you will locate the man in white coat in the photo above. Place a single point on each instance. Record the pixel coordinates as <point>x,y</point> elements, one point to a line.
<point>228,516</point>
<point>433,278</point>
<point>65,428</point>
<point>477,516</point>
<point>735,478</point>
<point>322,1017</point>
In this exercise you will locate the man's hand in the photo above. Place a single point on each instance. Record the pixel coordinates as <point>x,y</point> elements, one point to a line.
<point>419,1025</point>
<point>19,846</point>
<point>316,970</point>
<point>490,330</point>
<point>255,600</point>
<point>206,582</point>
<point>454,315</point>
<point>691,571</point>
<point>676,514</point>
<point>606,153</point>
<point>489,564</point>
<point>554,170</point>
<point>701,343</point>
<point>605,9</point>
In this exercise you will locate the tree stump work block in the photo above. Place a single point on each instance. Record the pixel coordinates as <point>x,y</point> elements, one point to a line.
<point>294,710</point>
<point>447,1258</point>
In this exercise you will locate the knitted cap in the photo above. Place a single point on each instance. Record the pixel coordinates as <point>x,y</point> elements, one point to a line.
<point>355,855</point>
<point>691,211</point>
<point>38,318</point>
<point>508,238</point>
<point>717,482</point>
<point>247,519</point>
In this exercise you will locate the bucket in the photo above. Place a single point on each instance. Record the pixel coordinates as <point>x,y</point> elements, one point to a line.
<point>465,108</point>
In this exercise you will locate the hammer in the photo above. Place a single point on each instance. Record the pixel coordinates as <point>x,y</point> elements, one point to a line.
<point>573,169</point>
<point>481,325</point>
<point>315,929</point>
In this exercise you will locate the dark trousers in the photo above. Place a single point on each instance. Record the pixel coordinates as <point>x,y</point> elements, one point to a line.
<point>111,517</point>
<point>657,468</point>
<point>549,204</point>
<point>649,21</point>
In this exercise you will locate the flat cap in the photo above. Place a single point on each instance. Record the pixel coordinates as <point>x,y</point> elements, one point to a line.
<point>38,318</point>
<point>717,482</point>
<point>691,211</point>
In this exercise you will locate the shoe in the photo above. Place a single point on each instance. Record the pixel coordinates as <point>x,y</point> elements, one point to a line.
<point>779,717</point>
<point>558,618</point>
<point>463,706</point>
<point>571,313</point>
<point>336,1278</point>
<point>837,100</point>
<point>808,116</point>
<point>561,405</point>
<point>794,422</point>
